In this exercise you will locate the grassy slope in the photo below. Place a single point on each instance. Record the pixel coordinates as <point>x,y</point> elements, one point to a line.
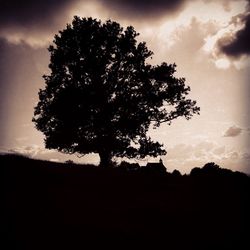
<point>59,206</point>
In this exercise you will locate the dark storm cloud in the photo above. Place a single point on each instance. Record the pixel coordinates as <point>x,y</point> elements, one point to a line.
<point>33,21</point>
<point>145,8</point>
<point>29,13</point>
<point>239,44</point>
<point>16,13</point>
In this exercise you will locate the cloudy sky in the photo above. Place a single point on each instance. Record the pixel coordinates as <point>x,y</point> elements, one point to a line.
<point>207,39</point>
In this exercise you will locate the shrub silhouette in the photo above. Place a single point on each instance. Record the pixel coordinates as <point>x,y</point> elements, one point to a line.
<point>101,95</point>
<point>211,167</point>
<point>195,171</point>
<point>176,173</point>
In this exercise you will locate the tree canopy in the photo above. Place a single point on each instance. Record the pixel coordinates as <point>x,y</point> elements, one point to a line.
<point>102,94</point>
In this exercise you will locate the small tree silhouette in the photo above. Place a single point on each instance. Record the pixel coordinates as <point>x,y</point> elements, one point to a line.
<point>102,95</point>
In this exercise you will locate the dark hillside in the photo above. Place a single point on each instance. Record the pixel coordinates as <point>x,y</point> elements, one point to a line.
<point>66,206</point>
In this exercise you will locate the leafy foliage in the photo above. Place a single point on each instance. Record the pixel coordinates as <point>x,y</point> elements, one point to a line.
<point>102,95</point>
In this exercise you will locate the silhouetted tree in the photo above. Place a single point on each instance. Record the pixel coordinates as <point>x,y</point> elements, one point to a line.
<point>101,95</point>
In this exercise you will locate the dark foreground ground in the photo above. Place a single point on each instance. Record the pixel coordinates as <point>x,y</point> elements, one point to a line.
<point>64,206</point>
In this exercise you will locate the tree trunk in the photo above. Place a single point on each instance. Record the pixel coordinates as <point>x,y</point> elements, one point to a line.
<point>105,159</point>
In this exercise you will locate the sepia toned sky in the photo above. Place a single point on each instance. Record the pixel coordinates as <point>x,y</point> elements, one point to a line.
<point>207,39</point>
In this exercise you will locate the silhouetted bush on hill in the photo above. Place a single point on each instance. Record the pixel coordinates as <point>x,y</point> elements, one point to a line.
<point>176,173</point>
<point>212,170</point>
<point>68,206</point>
